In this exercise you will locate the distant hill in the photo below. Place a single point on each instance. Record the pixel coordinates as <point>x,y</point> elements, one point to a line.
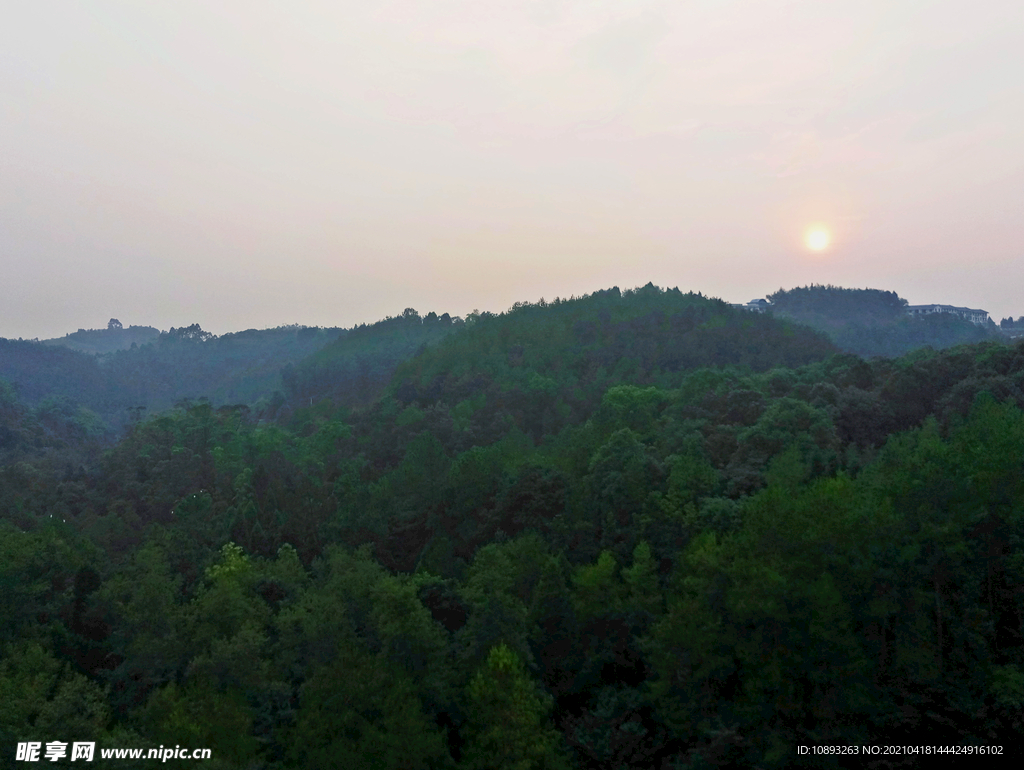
<point>835,307</point>
<point>871,322</point>
<point>549,360</point>
<point>113,338</point>
<point>353,369</point>
<point>188,363</point>
<point>185,363</point>
<point>36,370</point>
<point>648,334</point>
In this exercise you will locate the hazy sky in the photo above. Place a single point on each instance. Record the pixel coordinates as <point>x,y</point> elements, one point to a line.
<point>250,163</point>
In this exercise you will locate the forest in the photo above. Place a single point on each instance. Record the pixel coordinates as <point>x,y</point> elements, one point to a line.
<point>631,529</point>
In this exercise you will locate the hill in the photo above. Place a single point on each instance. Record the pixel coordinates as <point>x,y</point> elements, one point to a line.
<point>870,322</point>
<point>186,363</point>
<point>98,341</point>
<point>548,364</point>
<point>36,371</point>
<point>354,368</point>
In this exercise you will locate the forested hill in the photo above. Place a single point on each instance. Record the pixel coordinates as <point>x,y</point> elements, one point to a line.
<point>646,335</point>
<point>870,322</point>
<point>183,363</point>
<point>834,304</point>
<point>548,364</point>
<point>599,338</point>
<point>36,371</point>
<point>114,337</point>
<point>353,369</point>
<point>637,530</point>
<point>239,368</point>
<point>264,369</point>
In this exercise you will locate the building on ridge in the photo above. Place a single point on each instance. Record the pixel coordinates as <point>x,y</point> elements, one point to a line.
<point>979,317</point>
<point>754,306</point>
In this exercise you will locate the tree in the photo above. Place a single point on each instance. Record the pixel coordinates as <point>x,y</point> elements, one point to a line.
<point>622,475</point>
<point>147,636</point>
<point>113,323</point>
<point>507,727</point>
<point>193,333</point>
<point>361,712</point>
<point>44,699</point>
<point>199,714</point>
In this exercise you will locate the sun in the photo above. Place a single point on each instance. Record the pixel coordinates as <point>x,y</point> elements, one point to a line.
<point>817,238</point>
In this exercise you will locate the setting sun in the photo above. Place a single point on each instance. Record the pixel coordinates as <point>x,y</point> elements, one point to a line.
<point>817,238</point>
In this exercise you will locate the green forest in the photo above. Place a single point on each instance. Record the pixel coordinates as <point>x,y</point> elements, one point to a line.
<point>632,529</point>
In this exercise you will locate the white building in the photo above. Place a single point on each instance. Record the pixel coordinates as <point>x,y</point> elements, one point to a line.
<point>754,306</point>
<point>979,317</point>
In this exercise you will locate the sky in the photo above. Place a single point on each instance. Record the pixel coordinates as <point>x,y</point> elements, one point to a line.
<point>247,164</point>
